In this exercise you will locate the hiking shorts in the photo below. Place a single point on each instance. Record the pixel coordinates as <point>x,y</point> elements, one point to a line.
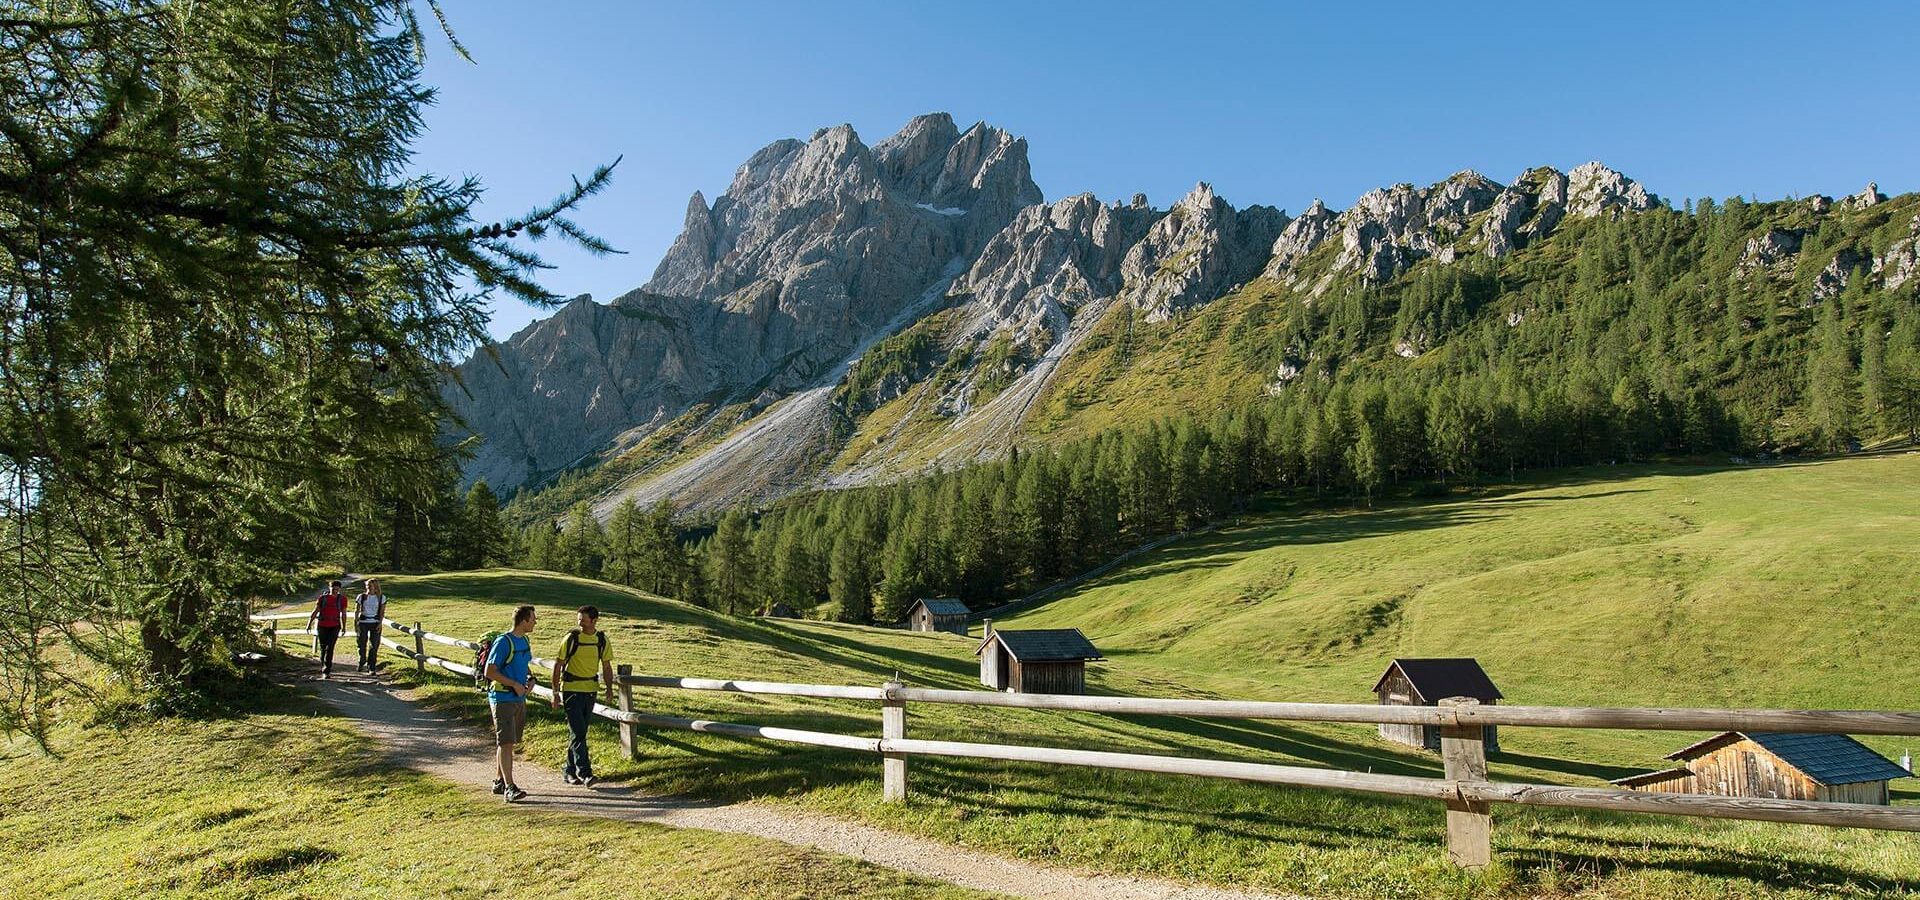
<point>509,721</point>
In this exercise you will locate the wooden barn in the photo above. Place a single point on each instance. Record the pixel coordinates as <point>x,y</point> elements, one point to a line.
<point>780,611</point>
<point>1830,767</point>
<point>1426,682</point>
<point>1037,661</point>
<point>938,614</point>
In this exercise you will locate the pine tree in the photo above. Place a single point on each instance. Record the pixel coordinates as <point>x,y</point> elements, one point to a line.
<point>849,576</point>
<point>481,538</point>
<point>1901,407</point>
<point>730,572</point>
<point>1873,370</point>
<point>661,561</point>
<point>1832,403</point>
<point>581,547</point>
<point>540,552</point>
<point>234,322</point>
<point>624,540</point>
<point>1366,461</point>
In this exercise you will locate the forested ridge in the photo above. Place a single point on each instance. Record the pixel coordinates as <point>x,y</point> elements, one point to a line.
<point>1620,339</point>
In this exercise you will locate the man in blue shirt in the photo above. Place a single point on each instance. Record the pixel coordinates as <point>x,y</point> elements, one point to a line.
<point>509,660</point>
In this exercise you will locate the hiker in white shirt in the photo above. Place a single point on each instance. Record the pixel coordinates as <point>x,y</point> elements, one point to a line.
<point>369,612</point>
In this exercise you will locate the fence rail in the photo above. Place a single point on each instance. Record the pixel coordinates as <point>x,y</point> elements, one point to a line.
<point>1465,788</point>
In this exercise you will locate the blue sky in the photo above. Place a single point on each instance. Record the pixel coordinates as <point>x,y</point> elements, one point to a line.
<point>1270,102</point>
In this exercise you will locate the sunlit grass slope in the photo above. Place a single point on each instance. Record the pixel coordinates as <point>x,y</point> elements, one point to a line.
<point>1776,586</point>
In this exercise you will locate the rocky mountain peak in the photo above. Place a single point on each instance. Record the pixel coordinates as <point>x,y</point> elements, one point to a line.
<point>1201,249</point>
<point>1869,196</point>
<point>1047,265</point>
<point>904,156</point>
<point>1298,239</point>
<point>1593,189</point>
<point>813,247</point>
<point>1389,229</point>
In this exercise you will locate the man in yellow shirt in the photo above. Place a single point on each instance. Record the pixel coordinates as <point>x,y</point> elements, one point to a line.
<point>581,665</point>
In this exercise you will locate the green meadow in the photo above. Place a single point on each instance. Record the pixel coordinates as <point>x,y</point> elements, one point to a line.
<point>1785,585</point>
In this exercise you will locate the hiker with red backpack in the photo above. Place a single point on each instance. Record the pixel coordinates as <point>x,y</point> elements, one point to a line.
<point>330,611</point>
<point>508,669</point>
<point>581,667</point>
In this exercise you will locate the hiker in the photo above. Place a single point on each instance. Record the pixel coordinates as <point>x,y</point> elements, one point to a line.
<point>330,611</point>
<point>509,664</point>
<point>369,615</point>
<point>581,664</point>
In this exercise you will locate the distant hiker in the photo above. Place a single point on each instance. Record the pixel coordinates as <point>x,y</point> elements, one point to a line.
<point>330,611</point>
<point>581,666</point>
<point>369,613</point>
<point>509,659</point>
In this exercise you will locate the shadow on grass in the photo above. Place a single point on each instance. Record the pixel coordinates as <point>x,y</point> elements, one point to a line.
<point>1777,872</point>
<point>1567,766</point>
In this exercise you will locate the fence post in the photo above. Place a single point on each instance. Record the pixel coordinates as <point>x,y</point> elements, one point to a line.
<point>893,726</point>
<point>272,632</point>
<point>1463,749</point>
<point>419,649</point>
<point>627,745</point>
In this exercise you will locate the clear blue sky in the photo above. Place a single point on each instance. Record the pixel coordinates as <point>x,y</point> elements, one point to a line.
<point>1273,103</point>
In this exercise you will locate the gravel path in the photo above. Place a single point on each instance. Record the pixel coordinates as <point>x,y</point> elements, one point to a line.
<point>442,746</point>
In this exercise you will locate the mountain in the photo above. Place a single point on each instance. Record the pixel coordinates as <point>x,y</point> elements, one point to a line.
<point>845,314</point>
<point>814,248</point>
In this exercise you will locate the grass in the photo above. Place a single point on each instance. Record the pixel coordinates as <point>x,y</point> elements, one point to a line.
<point>1771,586</point>
<point>1786,585</point>
<point>284,800</point>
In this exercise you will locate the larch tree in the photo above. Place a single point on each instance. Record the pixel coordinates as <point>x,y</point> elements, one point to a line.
<point>216,271</point>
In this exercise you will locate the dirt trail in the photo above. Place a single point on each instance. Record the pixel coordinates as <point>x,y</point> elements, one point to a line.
<point>440,745</point>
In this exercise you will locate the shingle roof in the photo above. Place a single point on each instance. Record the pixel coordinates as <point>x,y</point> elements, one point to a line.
<point>1437,679</point>
<point>1044,645</point>
<point>944,606</point>
<point>1826,758</point>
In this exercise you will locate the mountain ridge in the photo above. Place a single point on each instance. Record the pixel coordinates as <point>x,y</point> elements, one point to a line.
<point>932,259</point>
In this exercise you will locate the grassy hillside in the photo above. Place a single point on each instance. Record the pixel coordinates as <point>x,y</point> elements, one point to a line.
<point>1784,585</point>
<point>280,799</point>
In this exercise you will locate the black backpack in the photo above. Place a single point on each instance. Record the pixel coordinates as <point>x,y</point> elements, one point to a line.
<point>572,646</point>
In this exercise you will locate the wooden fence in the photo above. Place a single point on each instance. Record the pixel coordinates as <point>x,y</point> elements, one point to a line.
<point>1464,788</point>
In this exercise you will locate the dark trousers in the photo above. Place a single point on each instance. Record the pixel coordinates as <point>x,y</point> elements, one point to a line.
<point>328,638</point>
<point>579,707</point>
<point>368,634</point>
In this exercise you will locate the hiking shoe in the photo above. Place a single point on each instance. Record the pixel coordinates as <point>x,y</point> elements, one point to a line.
<point>514,794</point>
<point>571,779</point>
<point>499,787</point>
<point>589,781</point>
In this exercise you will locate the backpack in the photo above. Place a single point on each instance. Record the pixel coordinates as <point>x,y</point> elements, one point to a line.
<point>360,606</point>
<point>572,646</point>
<point>332,606</point>
<point>480,679</point>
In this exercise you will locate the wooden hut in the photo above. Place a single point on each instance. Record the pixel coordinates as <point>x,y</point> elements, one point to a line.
<point>1426,682</point>
<point>938,614</point>
<point>1831,767</point>
<point>780,611</point>
<point>1036,661</point>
